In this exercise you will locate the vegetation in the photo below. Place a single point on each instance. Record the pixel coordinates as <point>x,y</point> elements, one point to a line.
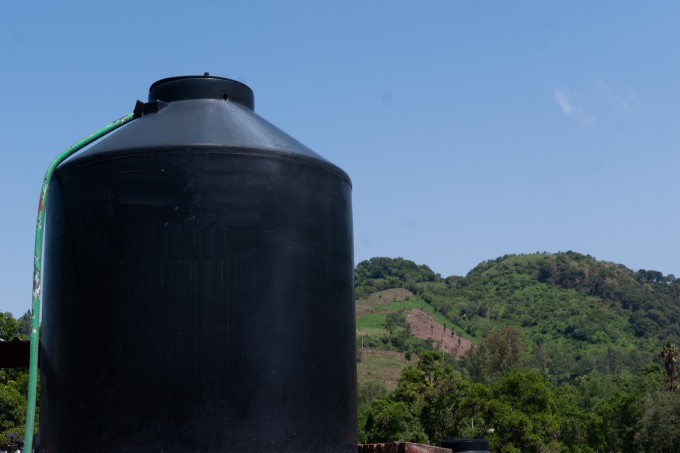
<point>569,354</point>
<point>13,382</point>
<point>520,410</point>
<point>378,274</point>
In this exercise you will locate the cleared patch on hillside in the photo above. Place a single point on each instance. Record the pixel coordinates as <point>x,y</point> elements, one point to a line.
<point>423,326</point>
<point>371,303</point>
<point>381,366</point>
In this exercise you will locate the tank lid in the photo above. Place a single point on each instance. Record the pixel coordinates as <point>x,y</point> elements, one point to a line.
<point>466,445</point>
<point>201,87</point>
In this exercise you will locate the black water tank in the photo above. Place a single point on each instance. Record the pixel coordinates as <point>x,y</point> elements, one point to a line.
<point>466,445</point>
<point>198,293</point>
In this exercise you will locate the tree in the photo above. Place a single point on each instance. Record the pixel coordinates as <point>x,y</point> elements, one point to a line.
<point>500,352</point>
<point>9,327</point>
<point>505,347</point>
<point>669,356</point>
<point>433,392</point>
<point>12,408</point>
<point>658,429</point>
<point>387,421</point>
<point>25,324</point>
<point>393,320</point>
<point>13,381</point>
<point>13,384</point>
<point>441,414</point>
<point>476,362</point>
<point>370,391</point>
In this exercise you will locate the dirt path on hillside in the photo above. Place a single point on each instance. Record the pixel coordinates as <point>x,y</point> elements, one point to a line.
<point>423,326</point>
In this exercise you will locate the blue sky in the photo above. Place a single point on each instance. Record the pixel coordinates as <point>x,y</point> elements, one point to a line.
<point>470,129</point>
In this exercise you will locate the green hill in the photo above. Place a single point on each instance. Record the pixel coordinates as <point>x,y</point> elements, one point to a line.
<point>575,314</point>
<point>544,352</point>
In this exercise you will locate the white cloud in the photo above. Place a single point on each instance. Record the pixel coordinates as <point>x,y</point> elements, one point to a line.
<point>615,97</point>
<point>570,105</point>
<point>562,99</point>
<point>595,100</point>
<point>587,119</point>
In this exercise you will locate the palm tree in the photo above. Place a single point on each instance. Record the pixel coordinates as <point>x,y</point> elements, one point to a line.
<point>669,356</point>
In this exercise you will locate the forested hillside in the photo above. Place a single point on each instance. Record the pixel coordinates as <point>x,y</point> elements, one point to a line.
<point>567,353</point>
<point>575,314</point>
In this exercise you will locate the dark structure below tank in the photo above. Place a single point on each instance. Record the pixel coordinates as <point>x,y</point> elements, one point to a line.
<point>198,293</point>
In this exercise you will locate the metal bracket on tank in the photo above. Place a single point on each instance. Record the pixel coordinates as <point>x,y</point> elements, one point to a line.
<point>144,108</point>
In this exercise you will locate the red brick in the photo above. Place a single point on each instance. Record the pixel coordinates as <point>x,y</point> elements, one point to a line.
<point>400,447</point>
<point>419,448</point>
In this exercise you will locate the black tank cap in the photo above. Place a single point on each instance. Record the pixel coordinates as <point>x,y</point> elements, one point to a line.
<point>466,445</point>
<point>201,87</point>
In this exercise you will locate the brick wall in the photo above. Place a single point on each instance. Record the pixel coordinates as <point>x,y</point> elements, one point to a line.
<point>401,447</point>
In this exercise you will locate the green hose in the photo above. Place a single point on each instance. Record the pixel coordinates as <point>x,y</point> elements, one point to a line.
<point>37,265</point>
